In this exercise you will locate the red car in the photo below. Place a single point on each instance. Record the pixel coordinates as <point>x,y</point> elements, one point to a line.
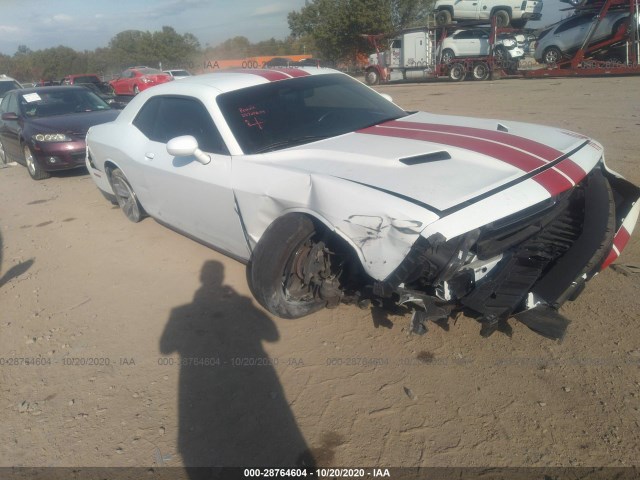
<point>136,79</point>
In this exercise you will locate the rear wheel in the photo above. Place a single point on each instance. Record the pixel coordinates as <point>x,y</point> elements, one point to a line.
<point>443,17</point>
<point>457,72</point>
<point>33,167</point>
<point>481,71</point>
<point>291,272</point>
<point>502,18</point>
<point>125,196</point>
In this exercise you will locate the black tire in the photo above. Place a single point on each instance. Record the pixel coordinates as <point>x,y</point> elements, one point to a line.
<point>447,55</point>
<point>502,18</point>
<point>372,77</point>
<point>501,56</point>
<point>520,23</point>
<point>481,71</point>
<point>33,167</point>
<point>552,56</point>
<point>457,72</point>
<point>279,263</point>
<point>443,17</point>
<point>126,197</point>
<point>3,155</point>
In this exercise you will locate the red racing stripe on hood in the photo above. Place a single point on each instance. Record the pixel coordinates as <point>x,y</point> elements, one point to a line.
<point>551,180</point>
<point>568,166</point>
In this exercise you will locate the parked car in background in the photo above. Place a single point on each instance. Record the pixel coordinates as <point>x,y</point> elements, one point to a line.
<point>177,74</point>
<point>331,193</point>
<point>7,84</point>
<point>506,12</point>
<point>567,36</point>
<point>137,79</point>
<point>475,42</point>
<point>94,83</point>
<point>44,128</point>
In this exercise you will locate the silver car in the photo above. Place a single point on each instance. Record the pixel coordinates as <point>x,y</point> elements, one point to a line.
<point>567,36</point>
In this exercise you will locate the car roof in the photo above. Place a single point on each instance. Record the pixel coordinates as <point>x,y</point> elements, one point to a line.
<point>232,79</point>
<point>57,88</point>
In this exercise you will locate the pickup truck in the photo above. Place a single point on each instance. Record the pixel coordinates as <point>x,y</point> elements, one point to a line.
<point>506,12</point>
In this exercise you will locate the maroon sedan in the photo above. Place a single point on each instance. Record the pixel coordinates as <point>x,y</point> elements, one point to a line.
<point>45,128</point>
<point>136,79</point>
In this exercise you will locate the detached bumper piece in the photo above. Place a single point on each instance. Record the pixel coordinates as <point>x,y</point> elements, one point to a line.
<point>572,241</point>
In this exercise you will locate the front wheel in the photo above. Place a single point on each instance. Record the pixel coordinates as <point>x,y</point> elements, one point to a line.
<point>3,155</point>
<point>552,56</point>
<point>291,272</point>
<point>372,77</point>
<point>448,55</point>
<point>34,168</point>
<point>125,196</point>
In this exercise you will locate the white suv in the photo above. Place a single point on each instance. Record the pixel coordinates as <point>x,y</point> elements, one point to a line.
<point>506,12</point>
<point>6,84</point>
<point>475,42</point>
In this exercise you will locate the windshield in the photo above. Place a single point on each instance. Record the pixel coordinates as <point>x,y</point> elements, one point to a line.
<point>87,79</point>
<point>293,112</point>
<point>61,102</point>
<point>149,71</point>
<point>6,86</point>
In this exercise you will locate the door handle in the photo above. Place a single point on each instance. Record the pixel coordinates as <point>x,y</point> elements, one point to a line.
<point>149,155</point>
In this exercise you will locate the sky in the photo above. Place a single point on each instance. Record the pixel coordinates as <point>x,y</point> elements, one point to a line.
<point>89,24</point>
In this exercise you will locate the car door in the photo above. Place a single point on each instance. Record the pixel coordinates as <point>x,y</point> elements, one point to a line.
<point>10,129</point>
<point>467,43</point>
<point>193,198</point>
<point>466,9</point>
<point>571,34</point>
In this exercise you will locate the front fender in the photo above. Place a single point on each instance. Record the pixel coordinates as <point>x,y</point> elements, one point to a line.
<point>379,227</point>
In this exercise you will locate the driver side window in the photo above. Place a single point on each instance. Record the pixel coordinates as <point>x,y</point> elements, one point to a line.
<point>165,117</point>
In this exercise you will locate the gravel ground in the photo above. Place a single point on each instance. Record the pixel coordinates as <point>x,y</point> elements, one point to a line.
<point>123,325</point>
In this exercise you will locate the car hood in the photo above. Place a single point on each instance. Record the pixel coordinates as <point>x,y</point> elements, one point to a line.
<point>440,161</point>
<point>75,124</point>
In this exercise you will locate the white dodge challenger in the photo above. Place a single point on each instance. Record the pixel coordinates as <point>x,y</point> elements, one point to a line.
<point>331,193</point>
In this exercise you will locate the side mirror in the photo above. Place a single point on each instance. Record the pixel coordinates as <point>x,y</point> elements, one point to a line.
<point>186,146</point>
<point>9,116</point>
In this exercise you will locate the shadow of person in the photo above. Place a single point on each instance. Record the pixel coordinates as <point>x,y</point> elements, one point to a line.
<point>14,271</point>
<point>232,408</point>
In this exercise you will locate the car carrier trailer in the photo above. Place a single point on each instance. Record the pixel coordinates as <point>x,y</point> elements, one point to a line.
<point>405,61</point>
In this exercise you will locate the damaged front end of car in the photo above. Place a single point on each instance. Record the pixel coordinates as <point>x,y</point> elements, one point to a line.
<point>525,265</point>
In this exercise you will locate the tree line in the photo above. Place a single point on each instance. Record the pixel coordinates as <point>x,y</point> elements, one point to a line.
<point>327,29</point>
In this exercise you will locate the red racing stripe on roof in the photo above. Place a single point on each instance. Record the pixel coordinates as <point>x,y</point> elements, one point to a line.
<point>271,75</point>
<point>296,72</point>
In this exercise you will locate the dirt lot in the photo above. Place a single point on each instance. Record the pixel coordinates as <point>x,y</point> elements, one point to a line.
<point>123,326</point>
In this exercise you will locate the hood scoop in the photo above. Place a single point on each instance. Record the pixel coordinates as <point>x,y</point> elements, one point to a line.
<point>426,158</point>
